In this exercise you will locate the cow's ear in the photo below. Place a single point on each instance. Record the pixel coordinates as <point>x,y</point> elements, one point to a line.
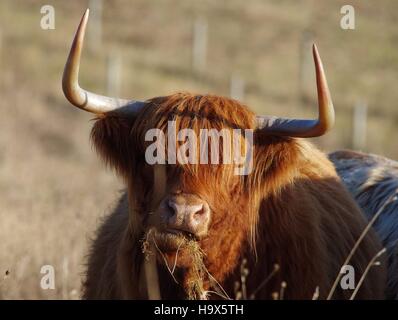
<point>111,138</point>
<point>275,164</point>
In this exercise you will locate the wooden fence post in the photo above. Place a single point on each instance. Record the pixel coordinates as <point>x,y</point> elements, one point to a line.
<point>65,276</point>
<point>113,74</point>
<point>306,71</point>
<point>95,25</point>
<point>199,45</point>
<point>237,88</point>
<point>359,126</point>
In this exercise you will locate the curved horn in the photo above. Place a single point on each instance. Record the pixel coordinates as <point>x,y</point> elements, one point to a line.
<point>304,128</point>
<point>81,98</point>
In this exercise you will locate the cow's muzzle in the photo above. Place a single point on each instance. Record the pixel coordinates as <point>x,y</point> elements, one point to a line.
<point>185,214</point>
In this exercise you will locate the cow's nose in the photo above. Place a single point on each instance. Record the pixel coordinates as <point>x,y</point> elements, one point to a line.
<point>188,213</point>
<point>185,210</point>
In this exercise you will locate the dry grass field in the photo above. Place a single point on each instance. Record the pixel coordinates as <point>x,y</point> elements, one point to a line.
<point>53,188</point>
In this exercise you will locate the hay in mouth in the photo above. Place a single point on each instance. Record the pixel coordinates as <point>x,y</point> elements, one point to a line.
<point>166,242</point>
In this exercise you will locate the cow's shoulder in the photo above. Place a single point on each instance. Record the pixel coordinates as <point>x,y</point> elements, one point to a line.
<point>102,257</point>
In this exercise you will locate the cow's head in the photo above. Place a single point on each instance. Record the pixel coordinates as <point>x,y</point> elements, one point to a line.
<point>215,204</point>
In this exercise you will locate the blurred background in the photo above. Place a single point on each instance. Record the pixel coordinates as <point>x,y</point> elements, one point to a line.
<point>53,188</point>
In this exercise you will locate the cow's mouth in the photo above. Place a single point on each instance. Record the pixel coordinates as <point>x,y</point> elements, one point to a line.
<point>181,233</point>
<point>169,240</point>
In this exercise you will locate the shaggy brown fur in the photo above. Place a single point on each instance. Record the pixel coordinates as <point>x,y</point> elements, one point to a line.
<point>291,210</point>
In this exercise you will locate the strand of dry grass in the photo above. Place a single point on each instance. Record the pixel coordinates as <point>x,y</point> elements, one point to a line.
<point>358,242</point>
<point>237,292</point>
<point>282,290</point>
<point>244,272</point>
<point>224,293</point>
<point>372,263</point>
<point>275,295</point>
<point>164,259</point>
<point>316,294</point>
<point>150,268</point>
<point>206,294</point>
<point>176,258</point>
<point>152,279</point>
<point>265,281</point>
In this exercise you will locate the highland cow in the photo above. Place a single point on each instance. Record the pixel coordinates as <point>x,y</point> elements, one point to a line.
<point>373,181</point>
<point>200,231</point>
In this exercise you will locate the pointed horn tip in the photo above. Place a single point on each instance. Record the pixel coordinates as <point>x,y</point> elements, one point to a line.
<point>315,51</point>
<point>82,26</point>
<point>86,14</point>
<point>83,22</point>
<point>84,18</point>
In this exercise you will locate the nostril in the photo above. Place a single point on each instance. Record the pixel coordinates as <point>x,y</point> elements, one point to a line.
<point>200,211</point>
<point>172,207</point>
